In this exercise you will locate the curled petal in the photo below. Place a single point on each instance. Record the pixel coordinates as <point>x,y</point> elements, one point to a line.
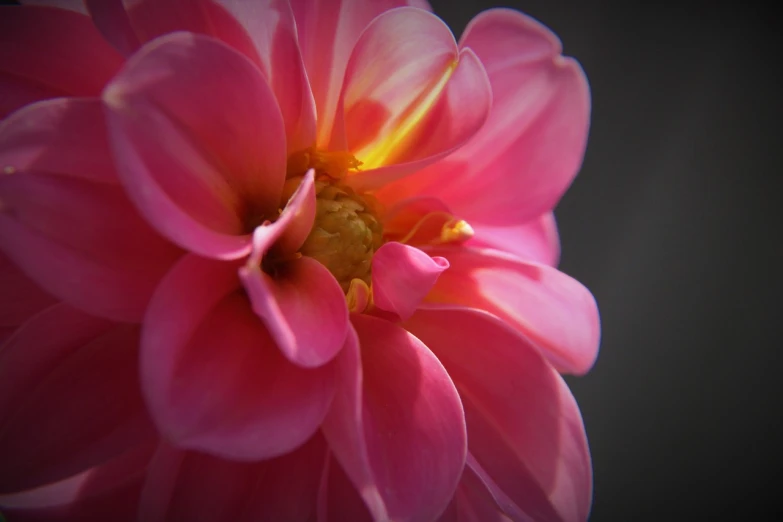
<point>536,240</point>
<point>72,400</point>
<point>66,223</point>
<point>291,228</point>
<point>532,145</point>
<point>301,303</point>
<point>556,312</point>
<point>328,31</point>
<point>410,96</point>
<point>401,276</point>
<point>212,375</point>
<point>304,308</point>
<point>109,491</point>
<point>50,52</point>
<point>202,158</point>
<point>396,404</point>
<point>524,427</point>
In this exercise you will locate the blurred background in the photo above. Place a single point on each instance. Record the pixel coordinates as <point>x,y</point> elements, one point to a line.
<point>673,225</point>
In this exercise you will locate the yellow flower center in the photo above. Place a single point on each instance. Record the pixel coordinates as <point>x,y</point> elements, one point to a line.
<point>347,231</point>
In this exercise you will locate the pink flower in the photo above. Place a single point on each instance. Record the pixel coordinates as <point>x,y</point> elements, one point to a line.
<point>288,260</point>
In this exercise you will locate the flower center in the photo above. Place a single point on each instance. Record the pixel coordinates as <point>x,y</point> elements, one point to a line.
<point>346,232</point>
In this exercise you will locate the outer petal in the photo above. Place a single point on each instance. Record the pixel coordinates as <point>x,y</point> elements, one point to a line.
<point>473,503</point>
<point>65,222</point>
<point>76,6</point>
<point>524,426</point>
<point>270,24</point>
<point>410,96</point>
<point>401,276</point>
<point>263,31</point>
<point>396,424</point>
<point>109,491</point>
<point>111,19</point>
<point>72,400</point>
<point>328,31</point>
<point>301,303</point>
<point>532,146</point>
<point>151,19</point>
<point>187,486</point>
<point>49,52</point>
<point>213,377</point>
<point>203,158</point>
<point>21,299</point>
<point>557,313</point>
<point>536,240</point>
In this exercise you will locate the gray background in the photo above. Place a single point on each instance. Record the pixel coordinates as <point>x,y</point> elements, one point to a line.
<point>673,225</point>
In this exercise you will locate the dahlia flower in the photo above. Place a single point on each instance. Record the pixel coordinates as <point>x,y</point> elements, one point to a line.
<point>288,260</point>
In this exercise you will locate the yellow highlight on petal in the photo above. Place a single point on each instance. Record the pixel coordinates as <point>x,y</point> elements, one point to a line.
<point>377,154</point>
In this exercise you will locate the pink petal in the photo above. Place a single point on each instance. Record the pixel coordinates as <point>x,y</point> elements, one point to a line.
<point>402,276</point>
<point>302,292</point>
<point>536,240</point>
<point>340,501</point>
<point>270,24</point>
<point>77,235</point>
<point>213,377</point>
<point>410,97</point>
<point>50,52</point>
<point>290,230</point>
<point>114,24</point>
<point>72,400</point>
<point>556,312</point>
<point>204,159</point>
<point>303,307</point>
<point>153,18</point>
<point>396,424</point>
<point>21,298</point>
<point>263,31</point>
<point>328,31</point>
<point>473,503</point>
<point>532,146</point>
<point>288,486</point>
<point>76,6</point>
<point>524,426</point>
<point>109,491</point>
<point>59,137</point>
<point>192,486</point>
<point>402,219</point>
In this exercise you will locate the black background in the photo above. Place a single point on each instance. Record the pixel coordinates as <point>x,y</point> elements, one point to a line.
<point>673,225</point>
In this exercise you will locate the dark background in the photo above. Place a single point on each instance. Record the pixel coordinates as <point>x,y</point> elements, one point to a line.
<point>673,225</point>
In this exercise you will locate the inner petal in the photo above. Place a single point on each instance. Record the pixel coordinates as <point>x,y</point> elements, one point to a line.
<point>347,229</point>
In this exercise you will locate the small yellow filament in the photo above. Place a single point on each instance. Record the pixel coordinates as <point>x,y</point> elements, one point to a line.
<point>454,230</point>
<point>359,296</point>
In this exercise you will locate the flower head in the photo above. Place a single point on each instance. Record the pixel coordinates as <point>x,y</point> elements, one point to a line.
<point>288,260</point>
